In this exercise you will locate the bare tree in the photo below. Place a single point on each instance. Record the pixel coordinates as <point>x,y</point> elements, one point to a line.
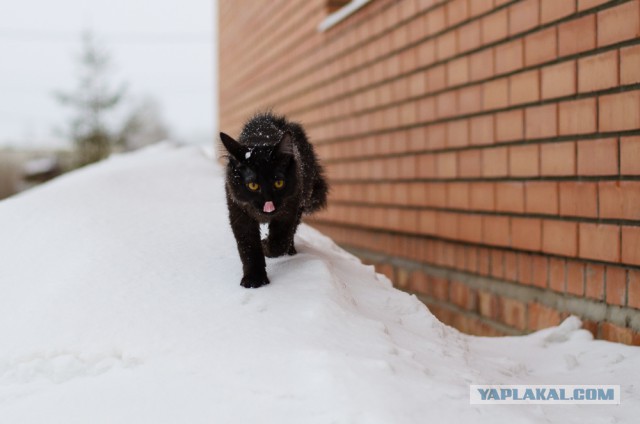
<point>143,125</point>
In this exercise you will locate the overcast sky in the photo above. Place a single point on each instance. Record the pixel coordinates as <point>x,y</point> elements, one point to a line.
<point>160,48</point>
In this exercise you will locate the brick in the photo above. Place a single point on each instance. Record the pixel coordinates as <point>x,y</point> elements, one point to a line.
<point>615,333</point>
<point>470,164</point>
<point>457,11</point>
<point>417,282</point>
<point>436,20</point>
<point>594,282</point>
<point>494,162</point>
<point>509,56</point>
<point>488,305</point>
<point>481,65</point>
<point>540,271</point>
<point>525,269</point>
<point>577,117</point>
<point>620,111</point>
<point>599,241</point>
<point>541,121</point>
<point>497,263</point>
<point>541,47</point>
<point>526,233</point>
<point>458,71</point>
<point>478,7</point>
<point>426,222</point>
<point>482,196</point>
<point>469,36</point>
<point>447,165</point>
<point>578,199</point>
<point>541,197</point>
<point>436,78</point>
<point>470,99</point>
<point>524,87</point>
<point>524,160</point>
<point>523,16</point>
<point>458,195</point>
<point>425,54</point>
<point>631,245</point>
<point>446,104</point>
<point>495,26</point>
<point>598,72</point>
<point>471,229</point>
<point>630,65</point>
<point>512,313</point>
<point>446,45</point>
<point>619,23</point>
<point>495,94</point>
<point>616,286</point>
<point>471,259</point>
<point>552,10</point>
<point>439,288</point>
<point>510,125</point>
<point>387,270</point>
<point>541,316</point>
<point>577,36</point>
<point>481,130</point>
<point>463,296</point>
<point>447,226</point>
<point>496,230</point>
<point>436,136</point>
<point>633,299</point>
<point>558,159</point>
<point>558,80</point>
<point>509,197</point>
<point>588,4</point>
<point>556,274</point>
<point>629,154</point>
<point>426,166</point>
<point>417,84</point>
<point>483,261</point>
<point>598,157</point>
<point>619,199</point>
<point>560,237</point>
<point>575,278</point>
<point>510,266</point>
<point>437,194</point>
<point>457,133</point>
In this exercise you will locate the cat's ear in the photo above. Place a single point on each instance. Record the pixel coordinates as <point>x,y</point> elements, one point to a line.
<point>285,147</point>
<point>235,149</point>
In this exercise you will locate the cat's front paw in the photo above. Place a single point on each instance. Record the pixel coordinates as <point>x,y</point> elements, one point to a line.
<point>253,281</point>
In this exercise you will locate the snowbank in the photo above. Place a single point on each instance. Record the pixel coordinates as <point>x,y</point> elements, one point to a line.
<point>120,303</point>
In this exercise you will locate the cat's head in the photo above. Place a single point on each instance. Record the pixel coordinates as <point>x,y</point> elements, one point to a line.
<point>261,176</point>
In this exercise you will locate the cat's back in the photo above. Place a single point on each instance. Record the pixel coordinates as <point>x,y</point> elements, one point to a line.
<point>263,129</point>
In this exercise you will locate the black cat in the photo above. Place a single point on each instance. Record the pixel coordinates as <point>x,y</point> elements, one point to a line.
<point>273,176</point>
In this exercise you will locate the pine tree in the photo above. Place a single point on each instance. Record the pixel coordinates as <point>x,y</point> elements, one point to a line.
<point>92,101</point>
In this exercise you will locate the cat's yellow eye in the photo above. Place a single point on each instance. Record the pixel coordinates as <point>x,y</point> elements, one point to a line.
<point>253,186</point>
<point>279,184</point>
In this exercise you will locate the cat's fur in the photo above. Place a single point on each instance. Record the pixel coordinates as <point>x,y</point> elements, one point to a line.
<point>270,148</point>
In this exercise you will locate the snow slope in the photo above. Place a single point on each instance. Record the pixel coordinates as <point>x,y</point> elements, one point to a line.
<point>120,303</point>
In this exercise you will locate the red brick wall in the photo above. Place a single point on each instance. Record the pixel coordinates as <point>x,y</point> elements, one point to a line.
<point>485,154</point>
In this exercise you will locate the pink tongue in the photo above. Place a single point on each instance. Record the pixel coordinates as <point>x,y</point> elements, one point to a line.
<point>268,207</point>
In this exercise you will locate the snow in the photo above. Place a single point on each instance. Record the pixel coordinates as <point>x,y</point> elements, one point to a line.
<point>40,166</point>
<point>120,303</point>
<point>341,14</point>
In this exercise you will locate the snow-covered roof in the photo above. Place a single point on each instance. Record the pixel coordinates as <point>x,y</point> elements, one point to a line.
<point>40,166</point>
<point>122,304</point>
